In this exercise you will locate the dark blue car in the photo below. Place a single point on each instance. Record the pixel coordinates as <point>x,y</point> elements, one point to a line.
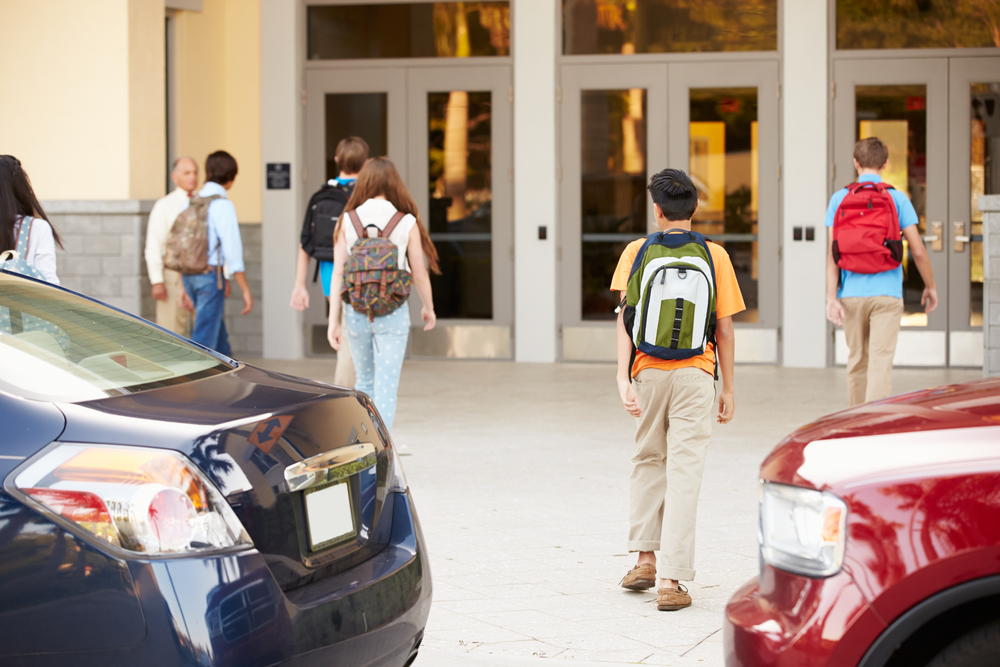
<point>163,505</point>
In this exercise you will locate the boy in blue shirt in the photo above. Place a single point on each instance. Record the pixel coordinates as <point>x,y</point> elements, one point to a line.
<point>870,306</point>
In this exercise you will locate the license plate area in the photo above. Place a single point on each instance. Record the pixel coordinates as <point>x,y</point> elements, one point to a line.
<point>330,515</point>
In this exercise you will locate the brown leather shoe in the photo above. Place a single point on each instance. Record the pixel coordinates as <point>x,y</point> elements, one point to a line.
<point>672,599</point>
<point>640,578</point>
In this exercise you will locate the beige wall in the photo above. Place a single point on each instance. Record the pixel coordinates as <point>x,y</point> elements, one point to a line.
<point>218,92</point>
<point>83,101</point>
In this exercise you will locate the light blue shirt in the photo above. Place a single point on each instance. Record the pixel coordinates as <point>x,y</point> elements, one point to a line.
<point>223,230</point>
<point>886,283</point>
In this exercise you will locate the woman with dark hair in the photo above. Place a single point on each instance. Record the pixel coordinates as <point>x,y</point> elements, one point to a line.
<point>22,218</point>
<point>382,204</point>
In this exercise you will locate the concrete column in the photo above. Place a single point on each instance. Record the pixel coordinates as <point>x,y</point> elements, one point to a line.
<point>804,168</point>
<point>535,189</point>
<point>990,206</point>
<point>281,141</point>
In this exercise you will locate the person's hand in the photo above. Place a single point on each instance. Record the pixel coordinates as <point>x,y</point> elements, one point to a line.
<point>333,335</point>
<point>929,299</point>
<point>727,406</point>
<point>300,298</point>
<point>428,316</point>
<point>629,400</point>
<point>160,292</point>
<point>835,311</point>
<point>184,302</point>
<point>229,289</point>
<point>247,302</point>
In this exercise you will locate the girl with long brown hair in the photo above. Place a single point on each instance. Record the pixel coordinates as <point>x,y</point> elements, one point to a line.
<point>22,217</point>
<point>378,343</point>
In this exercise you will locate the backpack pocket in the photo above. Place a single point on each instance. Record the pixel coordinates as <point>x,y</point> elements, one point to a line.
<point>675,308</point>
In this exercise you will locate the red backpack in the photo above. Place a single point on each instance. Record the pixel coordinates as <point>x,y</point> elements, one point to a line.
<point>866,236</point>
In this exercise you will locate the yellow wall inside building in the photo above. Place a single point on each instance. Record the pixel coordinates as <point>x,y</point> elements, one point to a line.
<point>218,92</point>
<point>84,98</point>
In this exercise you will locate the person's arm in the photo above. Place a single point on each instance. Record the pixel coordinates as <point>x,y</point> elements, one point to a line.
<point>156,237</point>
<point>230,246</point>
<point>421,278</point>
<point>241,279</point>
<point>624,348</point>
<point>834,311</point>
<point>44,243</point>
<point>340,253</point>
<point>725,349</point>
<point>929,299</point>
<point>300,296</point>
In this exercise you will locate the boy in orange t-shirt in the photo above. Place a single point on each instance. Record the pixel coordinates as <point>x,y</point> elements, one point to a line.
<point>672,402</point>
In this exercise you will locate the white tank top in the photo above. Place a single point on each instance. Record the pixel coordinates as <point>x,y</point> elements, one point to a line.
<point>378,212</point>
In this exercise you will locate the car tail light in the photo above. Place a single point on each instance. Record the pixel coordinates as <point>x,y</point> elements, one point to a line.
<point>802,530</point>
<point>140,499</point>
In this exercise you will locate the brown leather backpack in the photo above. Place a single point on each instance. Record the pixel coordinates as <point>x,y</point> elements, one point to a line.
<point>187,243</point>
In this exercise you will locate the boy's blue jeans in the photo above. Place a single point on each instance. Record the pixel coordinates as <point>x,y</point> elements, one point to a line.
<point>209,307</point>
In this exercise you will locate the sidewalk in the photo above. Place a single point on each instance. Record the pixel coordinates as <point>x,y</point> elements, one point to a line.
<point>520,477</point>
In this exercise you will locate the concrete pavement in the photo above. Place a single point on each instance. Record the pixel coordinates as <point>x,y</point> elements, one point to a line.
<point>520,477</point>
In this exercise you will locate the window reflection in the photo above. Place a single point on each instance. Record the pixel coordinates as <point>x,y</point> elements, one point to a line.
<point>669,26</point>
<point>724,168</point>
<point>460,164</point>
<point>409,30</point>
<point>898,116</point>
<point>985,180</point>
<point>928,24</point>
<point>612,190</point>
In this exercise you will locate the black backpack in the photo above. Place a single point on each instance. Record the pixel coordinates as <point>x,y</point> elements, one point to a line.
<point>324,210</point>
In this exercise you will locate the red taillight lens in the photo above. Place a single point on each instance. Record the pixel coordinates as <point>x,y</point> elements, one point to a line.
<point>80,507</point>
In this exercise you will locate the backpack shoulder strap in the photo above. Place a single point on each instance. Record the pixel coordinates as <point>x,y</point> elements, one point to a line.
<point>391,226</point>
<point>356,221</point>
<point>24,235</point>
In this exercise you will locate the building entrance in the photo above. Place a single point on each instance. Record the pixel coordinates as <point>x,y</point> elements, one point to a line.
<point>623,123</point>
<point>940,118</point>
<point>448,130</point>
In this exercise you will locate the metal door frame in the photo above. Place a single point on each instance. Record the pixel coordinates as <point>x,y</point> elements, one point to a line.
<point>584,340</point>
<point>917,346</point>
<point>468,338</point>
<point>758,340</point>
<point>965,342</point>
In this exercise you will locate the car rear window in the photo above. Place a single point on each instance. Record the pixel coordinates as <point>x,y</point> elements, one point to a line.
<point>57,346</point>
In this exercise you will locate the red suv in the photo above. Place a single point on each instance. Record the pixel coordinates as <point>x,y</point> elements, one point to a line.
<point>879,539</point>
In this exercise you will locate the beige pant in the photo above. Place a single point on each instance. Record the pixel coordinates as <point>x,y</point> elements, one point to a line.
<point>671,441</point>
<point>871,326</point>
<point>168,314</point>
<point>344,373</point>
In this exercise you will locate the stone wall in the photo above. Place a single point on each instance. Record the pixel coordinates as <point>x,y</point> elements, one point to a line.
<point>990,206</point>
<point>103,258</point>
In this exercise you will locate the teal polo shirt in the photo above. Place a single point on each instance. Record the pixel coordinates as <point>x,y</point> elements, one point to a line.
<point>886,283</point>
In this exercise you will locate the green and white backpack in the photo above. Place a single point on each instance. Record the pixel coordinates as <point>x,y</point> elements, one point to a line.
<point>671,297</point>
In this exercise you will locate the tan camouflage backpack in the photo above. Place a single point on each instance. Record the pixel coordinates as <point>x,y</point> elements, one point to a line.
<point>187,242</point>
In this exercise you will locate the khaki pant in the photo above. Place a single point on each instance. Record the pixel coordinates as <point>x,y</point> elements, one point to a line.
<point>871,327</point>
<point>671,442</point>
<point>344,375</point>
<point>168,314</point>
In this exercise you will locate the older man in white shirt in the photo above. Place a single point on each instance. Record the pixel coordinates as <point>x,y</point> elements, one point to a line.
<point>167,286</point>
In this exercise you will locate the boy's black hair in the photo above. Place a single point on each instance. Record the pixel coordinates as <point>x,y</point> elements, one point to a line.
<point>675,194</point>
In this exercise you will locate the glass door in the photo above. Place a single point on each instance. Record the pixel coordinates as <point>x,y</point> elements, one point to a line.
<point>904,102</point>
<point>340,103</point>
<point>614,136</point>
<point>974,148</point>
<point>724,132</point>
<point>460,161</point>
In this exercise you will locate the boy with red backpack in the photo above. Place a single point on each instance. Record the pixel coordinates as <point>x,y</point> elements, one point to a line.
<point>864,276</point>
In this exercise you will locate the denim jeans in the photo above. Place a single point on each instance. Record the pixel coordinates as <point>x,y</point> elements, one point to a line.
<point>209,307</point>
<point>378,349</point>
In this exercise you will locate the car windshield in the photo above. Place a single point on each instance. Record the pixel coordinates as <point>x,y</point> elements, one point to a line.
<point>57,346</point>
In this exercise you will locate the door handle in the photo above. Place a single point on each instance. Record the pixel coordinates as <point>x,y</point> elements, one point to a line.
<point>935,237</point>
<point>959,237</point>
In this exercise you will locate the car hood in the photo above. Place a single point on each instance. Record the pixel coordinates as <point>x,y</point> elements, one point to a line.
<point>954,426</point>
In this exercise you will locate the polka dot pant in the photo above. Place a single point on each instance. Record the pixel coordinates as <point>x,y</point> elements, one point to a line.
<point>378,349</point>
